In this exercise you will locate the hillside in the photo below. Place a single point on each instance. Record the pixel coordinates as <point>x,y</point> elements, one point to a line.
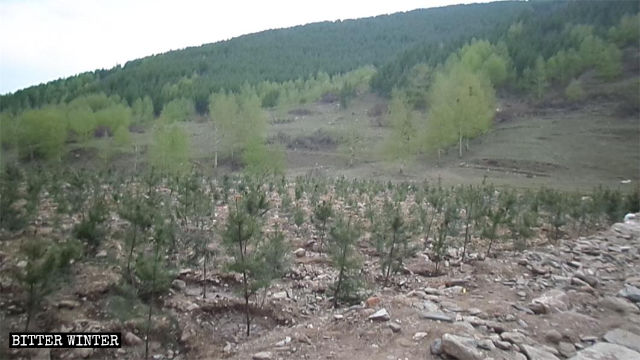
<point>450,183</point>
<point>392,42</point>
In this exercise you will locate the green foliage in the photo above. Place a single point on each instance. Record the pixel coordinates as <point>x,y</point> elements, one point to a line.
<point>322,212</point>
<point>181,109</point>
<point>42,134</point>
<point>445,227</point>
<point>344,257</point>
<point>241,236</point>
<point>113,117</point>
<point>395,241</point>
<point>169,151</point>
<point>402,143</point>
<point>142,110</point>
<point>462,106</point>
<point>45,263</point>
<point>262,160</point>
<point>574,91</point>
<point>90,228</point>
<point>626,32</point>
<point>14,214</point>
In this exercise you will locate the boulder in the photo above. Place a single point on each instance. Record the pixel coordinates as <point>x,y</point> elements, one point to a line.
<point>624,338</point>
<point>552,301</point>
<point>461,347</point>
<point>380,315</point>
<point>606,351</point>
<point>537,353</point>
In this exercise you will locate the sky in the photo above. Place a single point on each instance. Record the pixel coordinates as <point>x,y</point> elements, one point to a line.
<point>43,40</point>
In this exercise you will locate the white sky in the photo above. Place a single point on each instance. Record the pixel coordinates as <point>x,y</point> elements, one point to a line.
<point>43,40</point>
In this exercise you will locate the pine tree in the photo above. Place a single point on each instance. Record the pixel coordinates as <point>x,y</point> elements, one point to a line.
<point>241,237</point>
<point>321,215</point>
<point>344,235</point>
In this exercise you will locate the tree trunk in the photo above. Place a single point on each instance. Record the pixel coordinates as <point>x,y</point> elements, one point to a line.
<point>335,295</point>
<point>30,307</point>
<point>460,144</point>
<point>204,276</point>
<point>246,303</point>
<point>393,245</point>
<point>133,245</point>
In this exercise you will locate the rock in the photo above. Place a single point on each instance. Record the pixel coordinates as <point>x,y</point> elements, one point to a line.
<point>284,342</point>
<point>178,284</point>
<point>263,355</point>
<point>630,292</point>
<point>380,315</point>
<point>591,280</point>
<point>132,339</point>
<point>372,302</point>
<point>553,336</point>
<point>338,317</point>
<point>280,295</point>
<point>430,306</point>
<point>606,351</point>
<point>624,338</point>
<point>436,316</point>
<point>537,353</point>
<point>512,337</point>
<point>504,345</point>
<point>395,327</point>
<point>68,304</point>
<point>436,347</point>
<point>552,301</point>
<point>619,305</point>
<point>101,254</point>
<point>300,252</point>
<point>566,349</point>
<point>486,344</point>
<point>419,336</point>
<point>461,347</point>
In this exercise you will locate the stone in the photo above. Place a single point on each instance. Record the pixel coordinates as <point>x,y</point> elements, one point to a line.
<point>630,292</point>
<point>430,306</point>
<point>512,337</point>
<point>284,342</point>
<point>486,344</point>
<point>436,347</point>
<point>419,335</point>
<point>461,347</point>
<point>504,345</point>
<point>280,295</point>
<point>606,351</point>
<point>263,355</point>
<point>552,301</point>
<point>300,252</point>
<point>178,284</point>
<point>395,327</point>
<point>591,280</point>
<point>619,305</point>
<point>553,336</point>
<point>131,339</point>
<point>437,316</point>
<point>68,304</point>
<point>624,338</point>
<point>338,317</point>
<point>101,254</point>
<point>372,302</point>
<point>537,353</point>
<point>380,315</point>
<point>566,349</point>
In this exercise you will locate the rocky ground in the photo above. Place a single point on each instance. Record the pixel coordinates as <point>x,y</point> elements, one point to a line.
<point>578,299</point>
